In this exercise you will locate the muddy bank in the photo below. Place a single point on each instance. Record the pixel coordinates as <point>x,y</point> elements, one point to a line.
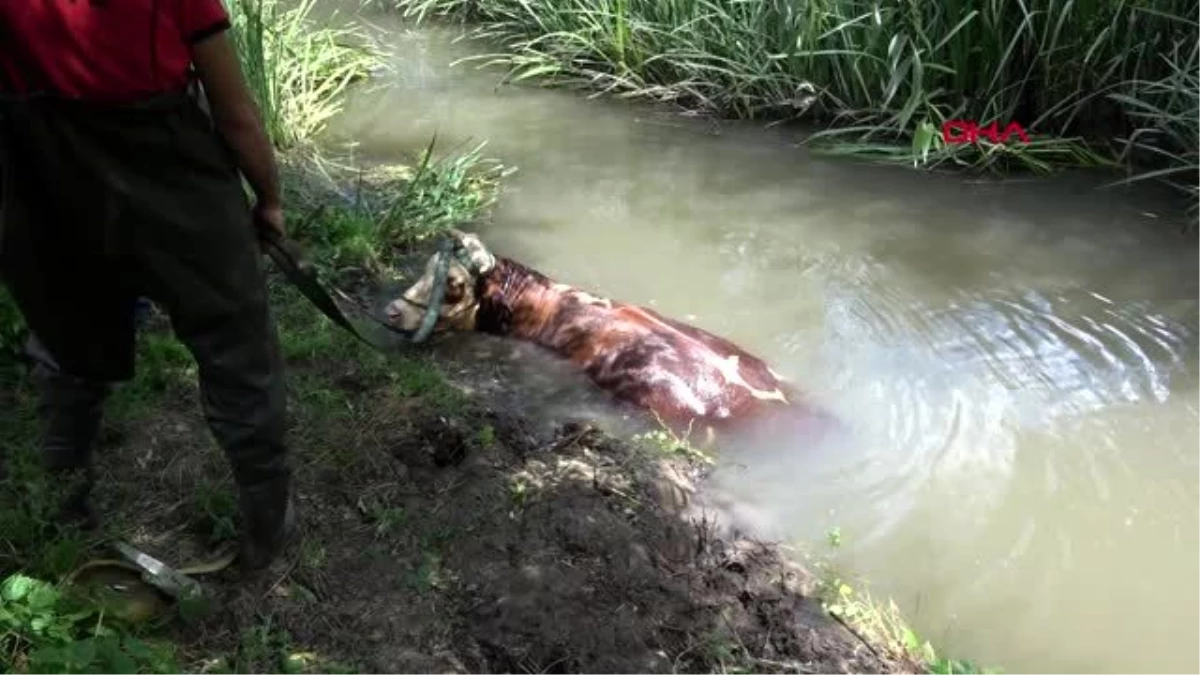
<point>441,535</point>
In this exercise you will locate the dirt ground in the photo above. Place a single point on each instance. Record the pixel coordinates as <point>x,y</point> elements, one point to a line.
<point>441,535</point>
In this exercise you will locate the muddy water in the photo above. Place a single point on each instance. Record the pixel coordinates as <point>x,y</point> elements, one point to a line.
<point>1017,363</point>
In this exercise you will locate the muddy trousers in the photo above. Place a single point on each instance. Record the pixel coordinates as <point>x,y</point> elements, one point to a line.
<point>101,206</point>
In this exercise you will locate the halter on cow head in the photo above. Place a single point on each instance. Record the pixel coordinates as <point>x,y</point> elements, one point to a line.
<point>459,303</point>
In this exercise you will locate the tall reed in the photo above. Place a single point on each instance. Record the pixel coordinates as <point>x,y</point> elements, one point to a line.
<point>1087,78</point>
<point>297,69</point>
<point>1166,115</point>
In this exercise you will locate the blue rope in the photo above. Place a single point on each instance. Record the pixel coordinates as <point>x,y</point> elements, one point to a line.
<point>438,293</point>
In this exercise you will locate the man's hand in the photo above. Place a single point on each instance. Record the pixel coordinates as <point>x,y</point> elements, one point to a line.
<point>270,216</point>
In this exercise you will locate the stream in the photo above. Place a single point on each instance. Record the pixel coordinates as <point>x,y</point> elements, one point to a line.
<point>1017,361</point>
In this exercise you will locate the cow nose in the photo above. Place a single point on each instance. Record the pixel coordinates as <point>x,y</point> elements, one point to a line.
<point>393,309</point>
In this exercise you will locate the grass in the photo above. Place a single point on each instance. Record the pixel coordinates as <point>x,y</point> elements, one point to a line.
<point>880,623</point>
<point>388,209</point>
<point>298,73</point>
<point>1166,127</point>
<point>1096,82</point>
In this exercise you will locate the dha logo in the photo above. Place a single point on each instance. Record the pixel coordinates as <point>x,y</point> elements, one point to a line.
<point>958,132</point>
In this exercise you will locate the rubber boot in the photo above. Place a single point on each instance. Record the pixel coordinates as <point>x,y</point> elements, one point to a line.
<point>268,523</point>
<point>70,409</point>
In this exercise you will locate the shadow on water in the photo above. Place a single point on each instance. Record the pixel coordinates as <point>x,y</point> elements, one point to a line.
<point>1016,362</point>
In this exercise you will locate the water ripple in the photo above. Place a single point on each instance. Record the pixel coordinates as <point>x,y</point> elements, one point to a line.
<point>956,386</point>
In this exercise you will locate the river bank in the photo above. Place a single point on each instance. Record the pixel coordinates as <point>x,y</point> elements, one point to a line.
<point>440,536</point>
<point>442,532</point>
<point>1005,350</point>
<point>1117,89</point>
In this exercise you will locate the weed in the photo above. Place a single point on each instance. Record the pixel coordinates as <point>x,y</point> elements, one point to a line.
<point>165,366</point>
<point>667,441</point>
<point>518,493</point>
<point>44,631</point>
<point>385,518</point>
<point>267,648</point>
<point>312,554</point>
<point>441,194</point>
<point>360,232</point>
<point>726,653</point>
<point>486,436</point>
<point>1165,110</point>
<point>429,575</point>
<point>882,77</point>
<point>834,537</point>
<point>878,623</point>
<point>416,376</point>
<point>216,511</point>
<point>29,500</point>
<point>12,326</point>
<point>298,71</point>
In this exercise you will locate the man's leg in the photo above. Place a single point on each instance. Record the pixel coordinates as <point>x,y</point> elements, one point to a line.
<point>227,326</point>
<point>81,335</point>
<point>214,290</point>
<point>202,265</point>
<point>70,409</point>
<point>244,400</point>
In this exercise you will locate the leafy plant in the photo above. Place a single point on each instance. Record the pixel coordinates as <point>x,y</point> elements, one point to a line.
<point>442,194</point>
<point>298,71</point>
<point>12,326</point>
<point>43,631</point>
<point>881,77</point>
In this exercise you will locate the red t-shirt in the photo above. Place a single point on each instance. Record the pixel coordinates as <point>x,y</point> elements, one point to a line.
<point>103,50</point>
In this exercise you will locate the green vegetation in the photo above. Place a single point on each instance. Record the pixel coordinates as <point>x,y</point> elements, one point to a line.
<point>391,208</point>
<point>12,326</point>
<point>1096,82</point>
<point>297,73</point>
<point>880,623</point>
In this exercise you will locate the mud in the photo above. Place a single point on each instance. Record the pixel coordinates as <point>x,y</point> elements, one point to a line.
<point>443,536</point>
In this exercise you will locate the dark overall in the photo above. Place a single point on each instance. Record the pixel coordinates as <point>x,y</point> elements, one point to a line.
<point>101,205</point>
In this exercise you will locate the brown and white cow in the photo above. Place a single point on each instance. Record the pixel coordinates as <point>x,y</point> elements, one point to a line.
<point>690,378</point>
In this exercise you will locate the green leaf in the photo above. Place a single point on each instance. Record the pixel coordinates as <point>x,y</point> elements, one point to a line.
<point>923,139</point>
<point>113,658</point>
<point>17,587</point>
<point>911,642</point>
<point>75,657</point>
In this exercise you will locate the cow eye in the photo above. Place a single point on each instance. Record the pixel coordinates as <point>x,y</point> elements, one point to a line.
<point>454,290</point>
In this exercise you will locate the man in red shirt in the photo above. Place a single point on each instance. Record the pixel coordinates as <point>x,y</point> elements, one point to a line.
<point>116,183</point>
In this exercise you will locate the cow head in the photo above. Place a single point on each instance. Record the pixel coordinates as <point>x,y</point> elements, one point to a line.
<point>459,303</point>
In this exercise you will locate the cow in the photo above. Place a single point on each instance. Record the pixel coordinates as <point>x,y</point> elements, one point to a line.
<point>689,378</point>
